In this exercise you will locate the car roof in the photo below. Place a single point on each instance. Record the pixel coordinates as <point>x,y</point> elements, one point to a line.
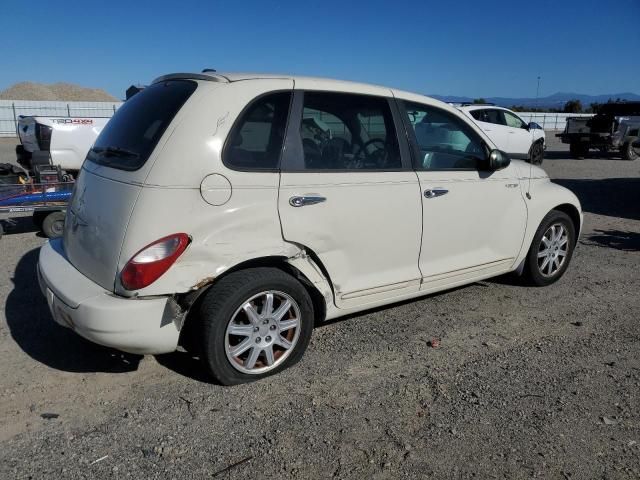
<point>229,77</point>
<point>308,83</point>
<point>483,106</point>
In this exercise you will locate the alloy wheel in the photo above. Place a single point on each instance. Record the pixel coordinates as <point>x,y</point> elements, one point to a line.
<point>262,332</point>
<point>553,250</point>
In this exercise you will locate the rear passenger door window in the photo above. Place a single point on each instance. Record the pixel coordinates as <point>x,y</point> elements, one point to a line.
<point>255,142</point>
<point>348,132</point>
<point>443,141</point>
<point>494,116</point>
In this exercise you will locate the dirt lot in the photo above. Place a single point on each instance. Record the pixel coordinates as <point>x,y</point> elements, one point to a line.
<point>527,382</point>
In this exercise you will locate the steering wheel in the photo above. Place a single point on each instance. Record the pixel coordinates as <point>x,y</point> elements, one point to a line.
<point>375,155</point>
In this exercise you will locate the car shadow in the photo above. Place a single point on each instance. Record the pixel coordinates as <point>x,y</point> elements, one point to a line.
<point>34,331</point>
<point>15,225</point>
<point>187,365</point>
<point>556,155</point>
<point>613,197</point>
<point>617,239</point>
<point>592,155</point>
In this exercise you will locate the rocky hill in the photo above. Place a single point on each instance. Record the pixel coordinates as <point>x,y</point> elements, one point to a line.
<point>66,92</point>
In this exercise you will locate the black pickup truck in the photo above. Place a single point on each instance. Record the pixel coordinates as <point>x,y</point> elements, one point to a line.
<point>615,127</point>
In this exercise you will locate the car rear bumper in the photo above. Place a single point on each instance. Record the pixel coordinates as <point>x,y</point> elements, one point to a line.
<point>134,325</point>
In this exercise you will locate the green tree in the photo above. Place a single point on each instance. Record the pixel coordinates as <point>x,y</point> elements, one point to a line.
<point>479,100</point>
<point>572,106</point>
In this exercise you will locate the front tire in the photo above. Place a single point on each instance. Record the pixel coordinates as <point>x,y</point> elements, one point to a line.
<point>254,323</point>
<point>536,155</point>
<point>551,249</point>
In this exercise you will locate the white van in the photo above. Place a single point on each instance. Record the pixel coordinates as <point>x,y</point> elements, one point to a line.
<point>230,213</point>
<point>525,141</point>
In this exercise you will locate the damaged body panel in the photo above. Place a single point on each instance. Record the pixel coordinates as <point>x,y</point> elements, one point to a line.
<point>245,209</point>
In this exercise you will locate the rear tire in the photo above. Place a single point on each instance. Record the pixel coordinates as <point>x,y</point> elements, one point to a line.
<point>53,225</point>
<point>551,249</point>
<point>239,303</point>
<point>628,152</point>
<point>38,218</point>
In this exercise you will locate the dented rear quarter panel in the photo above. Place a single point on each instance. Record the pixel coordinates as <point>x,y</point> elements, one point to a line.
<point>245,227</point>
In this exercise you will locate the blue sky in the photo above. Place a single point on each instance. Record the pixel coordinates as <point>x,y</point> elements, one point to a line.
<point>459,47</point>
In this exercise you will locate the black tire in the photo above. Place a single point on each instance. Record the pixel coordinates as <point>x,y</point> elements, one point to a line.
<point>38,218</point>
<point>225,298</point>
<point>532,273</point>
<point>536,154</point>
<point>627,151</point>
<point>1,230</point>
<point>578,150</point>
<point>53,225</point>
<point>23,157</point>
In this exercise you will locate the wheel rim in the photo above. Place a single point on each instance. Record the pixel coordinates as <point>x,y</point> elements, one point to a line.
<point>57,227</point>
<point>553,250</point>
<point>262,332</point>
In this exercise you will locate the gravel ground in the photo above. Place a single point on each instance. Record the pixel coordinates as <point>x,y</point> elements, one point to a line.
<point>527,382</point>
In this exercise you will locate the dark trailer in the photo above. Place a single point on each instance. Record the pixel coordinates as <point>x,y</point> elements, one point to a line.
<point>47,201</point>
<point>615,127</point>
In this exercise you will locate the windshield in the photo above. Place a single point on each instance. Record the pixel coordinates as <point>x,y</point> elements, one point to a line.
<point>133,132</point>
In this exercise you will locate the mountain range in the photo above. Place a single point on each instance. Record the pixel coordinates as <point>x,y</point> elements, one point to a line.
<point>557,100</point>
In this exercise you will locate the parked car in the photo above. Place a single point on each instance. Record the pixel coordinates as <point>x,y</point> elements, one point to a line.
<point>231,213</point>
<point>56,141</point>
<point>525,141</point>
<point>615,127</point>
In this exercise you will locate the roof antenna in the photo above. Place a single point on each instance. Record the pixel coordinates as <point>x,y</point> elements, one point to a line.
<point>530,159</point>
<point>207,70</point>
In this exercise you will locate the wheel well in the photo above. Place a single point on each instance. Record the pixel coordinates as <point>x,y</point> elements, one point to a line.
<point>192,299</point>
<point>574,215</point>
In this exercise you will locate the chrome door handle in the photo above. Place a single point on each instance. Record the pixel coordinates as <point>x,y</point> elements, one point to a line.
<point>435,192</point>
<point>303,200</point>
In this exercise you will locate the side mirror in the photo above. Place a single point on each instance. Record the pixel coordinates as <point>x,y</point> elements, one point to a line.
<point>534,126</point>
<point>498,160</point>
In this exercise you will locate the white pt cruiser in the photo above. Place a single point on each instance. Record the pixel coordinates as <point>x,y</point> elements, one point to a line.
<point>230,213</point>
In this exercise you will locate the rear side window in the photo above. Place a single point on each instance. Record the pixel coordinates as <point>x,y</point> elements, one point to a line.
<point>478,115</point>
<point>489,116</point>
<point>256,140</point>
<point>133,132</point>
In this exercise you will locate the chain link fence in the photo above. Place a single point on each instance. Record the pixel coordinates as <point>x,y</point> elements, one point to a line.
<point>550,120</point>
<point>10,110</point>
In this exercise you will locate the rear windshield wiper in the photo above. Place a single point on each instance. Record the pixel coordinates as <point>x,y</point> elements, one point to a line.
<point>115,152</point>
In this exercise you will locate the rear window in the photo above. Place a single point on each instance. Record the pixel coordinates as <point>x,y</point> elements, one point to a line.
<point>133,132</point>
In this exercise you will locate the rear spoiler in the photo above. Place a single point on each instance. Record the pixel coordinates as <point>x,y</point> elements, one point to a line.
<point>210,77</point>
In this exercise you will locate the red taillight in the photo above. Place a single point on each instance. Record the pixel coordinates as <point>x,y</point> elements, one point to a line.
<point>146,266</point>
